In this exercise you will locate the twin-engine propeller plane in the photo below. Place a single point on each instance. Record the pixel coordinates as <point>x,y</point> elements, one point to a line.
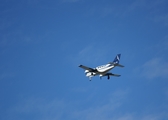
<point>103,70</point>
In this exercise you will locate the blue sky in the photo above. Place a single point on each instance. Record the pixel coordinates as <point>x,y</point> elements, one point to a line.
<point>43,42</point>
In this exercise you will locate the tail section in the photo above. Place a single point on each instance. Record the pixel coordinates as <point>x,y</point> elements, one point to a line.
<point>117,59</point>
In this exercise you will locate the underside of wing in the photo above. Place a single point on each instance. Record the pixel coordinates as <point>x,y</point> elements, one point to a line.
<point>111,74</point>
<point>86,68</point>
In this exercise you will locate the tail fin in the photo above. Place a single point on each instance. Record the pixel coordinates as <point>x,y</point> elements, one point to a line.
<point>117,59</point>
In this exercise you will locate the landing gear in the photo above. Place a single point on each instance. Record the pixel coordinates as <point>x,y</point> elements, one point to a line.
<point>108,77</point>
<point>90,78</point>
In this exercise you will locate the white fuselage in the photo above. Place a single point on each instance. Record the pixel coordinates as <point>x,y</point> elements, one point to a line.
<point>100,70</point>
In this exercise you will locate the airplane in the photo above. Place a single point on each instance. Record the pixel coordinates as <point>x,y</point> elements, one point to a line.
<point>103,70</point>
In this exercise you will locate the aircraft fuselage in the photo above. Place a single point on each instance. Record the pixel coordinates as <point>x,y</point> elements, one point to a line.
<point>100,70</point>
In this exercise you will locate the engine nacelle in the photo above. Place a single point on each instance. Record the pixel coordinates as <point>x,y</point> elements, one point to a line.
<point>88,73</point>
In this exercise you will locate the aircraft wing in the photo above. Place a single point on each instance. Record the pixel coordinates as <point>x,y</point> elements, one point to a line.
<point>86,68</point>
<point>111,74</point>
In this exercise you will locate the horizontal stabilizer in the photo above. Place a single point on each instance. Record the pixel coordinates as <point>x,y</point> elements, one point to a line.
<point>119,65</point>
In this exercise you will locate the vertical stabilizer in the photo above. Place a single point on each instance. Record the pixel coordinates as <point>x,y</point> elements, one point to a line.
<point>117,59</point>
